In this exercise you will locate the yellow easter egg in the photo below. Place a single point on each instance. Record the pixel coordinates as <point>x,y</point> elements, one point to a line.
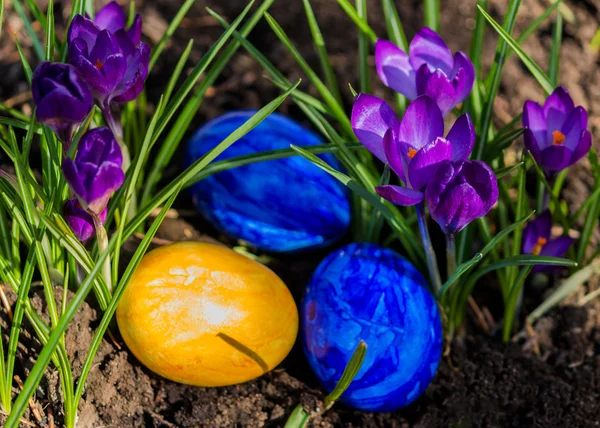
<point>204,315</point>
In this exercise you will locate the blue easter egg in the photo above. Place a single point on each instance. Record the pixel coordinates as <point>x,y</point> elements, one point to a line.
<point>277,205</point>
<point>364,291</point>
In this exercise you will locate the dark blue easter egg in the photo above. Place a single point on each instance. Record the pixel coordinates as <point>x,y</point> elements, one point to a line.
<point>368,292</point>
<point>277,205</point>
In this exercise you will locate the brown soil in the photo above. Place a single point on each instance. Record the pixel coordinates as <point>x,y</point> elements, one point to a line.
<point>552,381</point>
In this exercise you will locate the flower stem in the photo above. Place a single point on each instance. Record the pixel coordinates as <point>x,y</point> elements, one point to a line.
<point>450,254</point>
<point>102,238</point>
<point>434,272</point>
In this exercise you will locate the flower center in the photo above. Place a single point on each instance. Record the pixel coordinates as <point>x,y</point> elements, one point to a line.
<point>558,137</point>
<point>99,64</point>
<point>411,153</point>
<point>538,246</point>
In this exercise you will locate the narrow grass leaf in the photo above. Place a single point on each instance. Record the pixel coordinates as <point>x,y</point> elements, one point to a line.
<point>175,22</point>
<point>360,23</point>
<point>350,372</point>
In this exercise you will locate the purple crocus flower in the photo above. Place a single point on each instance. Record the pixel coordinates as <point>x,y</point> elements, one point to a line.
<point>460,192</point>
<point>79,220</point>
<point>428,69</point>
<point>96,173</point>
<point>62,97</point>
<point>111,59</point>
<point>537,241</point>
<point>414,147</point>
<point>556,133</point>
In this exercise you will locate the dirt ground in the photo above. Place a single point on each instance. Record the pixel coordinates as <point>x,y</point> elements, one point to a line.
<point>553,381</point>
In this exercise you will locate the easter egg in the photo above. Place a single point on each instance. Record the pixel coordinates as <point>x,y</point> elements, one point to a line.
<point>201,314</point>
<point>282,205</point>
<point>367,292</point>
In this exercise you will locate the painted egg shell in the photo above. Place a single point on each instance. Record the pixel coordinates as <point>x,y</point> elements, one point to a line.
<point>278,205</point>
<point>204,315</point>
<point>364,291</point>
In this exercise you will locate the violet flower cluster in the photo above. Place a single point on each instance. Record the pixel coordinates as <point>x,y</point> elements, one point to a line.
<point>108,63</point>
<point>433,167</point>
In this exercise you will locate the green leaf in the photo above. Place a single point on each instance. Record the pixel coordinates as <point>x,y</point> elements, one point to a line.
<point>364,73</point>
<point>465,267</point>
<point>298,419</point>
<point>553,64</point>
<point>177,71</point>
<point>432,14</point>
<point>35,41</point>
<point>49,55</point>
<point>175,22</point>
<point>500,143</point>
<point>350,372</point>
<point>319,43</point>
<point>531,65</point>
<point>360,23</point>
<point>511,305</point>
<point>502,172</point>
<point>24,62</point>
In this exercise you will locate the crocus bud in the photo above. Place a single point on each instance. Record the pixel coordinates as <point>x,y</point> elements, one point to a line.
<point>96,173</point>
<point>460,192</point>
<point>110,58</point>
<point>537,241</point>
<point>556,133</point>
<point>429,68</point>
<point>62,97</point>
<point>79,220</point>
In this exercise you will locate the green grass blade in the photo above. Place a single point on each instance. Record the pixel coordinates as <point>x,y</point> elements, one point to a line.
<point>175,22</point>
<point>24,62</point>
<point>35,41</point>
<point>120,289</point>
<point>49,54</point>
<point>360,23</point>
<point>553,64</point>
<point>432,14</point>
<point>531,65</point>
<point>500,143</point>
<point>350,372</point>
<point>503,172</point>
<point>363,50</point>
<point>177,71</point>
<point>298,419</point>
<point>319,43</point>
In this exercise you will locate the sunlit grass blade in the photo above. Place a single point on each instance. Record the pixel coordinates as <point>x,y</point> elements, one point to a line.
<point>531,65</point>
<point>200,164</point>
<point>432,14</point>
<point>364,71</point>
<point>195,75</point>
<point>120,289</point>
<point>553,63</point>
<point>336,109</point>
<point>350,372</point>
<point>173,139</point>
<point>298,419</point>
<point>177,71</point>
<point>173,25</point>
<point>485,120</point>
<point>24,62</point>
<point>319,43</point>
<point>501,142</point>
<point>360,23</point>
<point>372,198</point>
<point>35,41</point>
<point>503,172</point>
<point>568,287</point>
<point>49,54</point>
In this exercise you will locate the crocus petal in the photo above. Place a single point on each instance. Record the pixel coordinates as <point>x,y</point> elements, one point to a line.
<point>427,47</point>
<point>575,123</point>
<point>462,136</point>
<point>392,149</point>
<point>80,221</point>
<point>135,31</point>
<point>583,148</point>
<point>532,145</point>
<point>557,247</point>
<point>437,86</point>
<point>535,120</point>
<point>556,108</point>
<point>371,118</point>
<point>110,17</point>
<point>462,76</point>
<point>132,83</point>
<point>556,158</point>
<point>71,174</point>
<point>394,68</point>
<point>458,208</point>
<point>422,123</point>
<point>400,195</point>
<point>426,162</point>
<point>84,29</point>
<point>107,180</point>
